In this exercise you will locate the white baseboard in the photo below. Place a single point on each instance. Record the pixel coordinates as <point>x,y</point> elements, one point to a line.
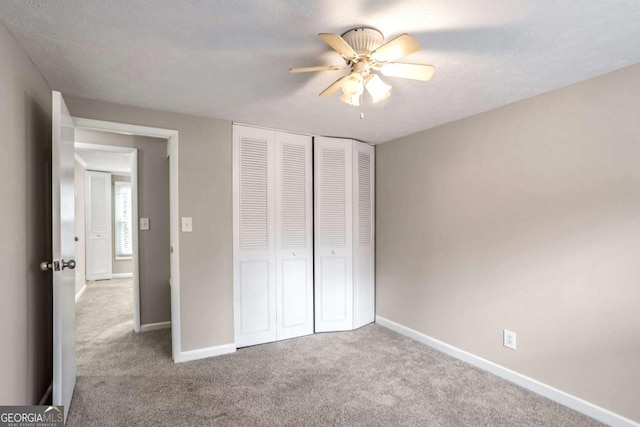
<point>46,394</point>
<point>121,275</point>
<point>566,399</point>
<point>81,292</point>
<point>203,353</point>
<point>155,326</point>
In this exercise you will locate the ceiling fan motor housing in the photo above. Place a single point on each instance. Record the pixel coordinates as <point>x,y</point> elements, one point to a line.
<point>363,40</point>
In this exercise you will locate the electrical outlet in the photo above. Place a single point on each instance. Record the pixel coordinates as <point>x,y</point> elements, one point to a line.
<point>509,339</point>
<point>187,224</point>
<point>144,224</point>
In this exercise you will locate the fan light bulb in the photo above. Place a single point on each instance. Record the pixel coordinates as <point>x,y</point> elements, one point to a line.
<point>378,89</point>
<point>351,100</point>
<point>352,89</point>
<point>354,85</point>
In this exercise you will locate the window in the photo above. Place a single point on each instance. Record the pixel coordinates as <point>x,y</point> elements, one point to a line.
<point>122,219</point>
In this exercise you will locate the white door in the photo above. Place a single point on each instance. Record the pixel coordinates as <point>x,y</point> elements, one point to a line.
<point>294,235</point>
<point>98,225</point>
<point>64,316</point>
<point>363,234</point>
<point>333,235</point>
<point>254,277</point>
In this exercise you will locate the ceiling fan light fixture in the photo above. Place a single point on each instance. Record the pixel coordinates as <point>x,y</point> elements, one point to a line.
<point>350,99</point>
<point>364,52</point>
<point>378,90</point>
<point>353,85</point>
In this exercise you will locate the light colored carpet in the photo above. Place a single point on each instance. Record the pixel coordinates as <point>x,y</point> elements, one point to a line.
<point>369,377</point>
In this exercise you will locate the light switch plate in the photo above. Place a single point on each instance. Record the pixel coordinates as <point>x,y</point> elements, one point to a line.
<point>144,224</point>
<point>187,224</point>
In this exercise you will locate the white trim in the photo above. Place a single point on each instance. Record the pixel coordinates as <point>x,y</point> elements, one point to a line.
<point>78,159</point>
<point>155,326</point>
<point>47,393</point>
<point>81,292</point>
<point>172,149</point>
<point>174,241</point>
<point>203,353</point>
<point>559,396</point>
<point>135,241</point>
<point>123,128</point>
<point>124,258</point>
<point>121,275</point>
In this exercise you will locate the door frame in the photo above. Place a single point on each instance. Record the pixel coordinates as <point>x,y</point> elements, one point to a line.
<point>172,137</point>
<point>133,152</point>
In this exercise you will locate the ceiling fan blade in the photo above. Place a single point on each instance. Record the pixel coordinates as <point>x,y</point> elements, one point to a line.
<point>333,87</point>
<point>395,49</point>
<point>422,72</point>
<point>339,45</point>
<point>318,68</point>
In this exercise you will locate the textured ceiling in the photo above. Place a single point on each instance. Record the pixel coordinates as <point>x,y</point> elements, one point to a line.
<point>229,59</point>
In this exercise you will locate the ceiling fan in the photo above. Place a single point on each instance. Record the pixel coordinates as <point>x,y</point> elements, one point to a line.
<point>364,51</point>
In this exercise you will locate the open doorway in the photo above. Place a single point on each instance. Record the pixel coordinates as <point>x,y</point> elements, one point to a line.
<point>123,236</point>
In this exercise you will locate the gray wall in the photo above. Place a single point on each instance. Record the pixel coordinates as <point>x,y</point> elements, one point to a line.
<point>79,177</point>
<point>25,227</point>
<point>153,203</point>
<point>525,218</point>
<point>205,193</point>
<point>122,266</point>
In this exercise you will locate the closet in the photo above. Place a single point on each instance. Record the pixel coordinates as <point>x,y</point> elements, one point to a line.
<point>278,272</point>
<point>344,234</point>
<point>272,234</point>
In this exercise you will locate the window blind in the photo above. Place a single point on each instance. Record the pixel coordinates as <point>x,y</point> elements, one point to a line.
<point>122,219</point>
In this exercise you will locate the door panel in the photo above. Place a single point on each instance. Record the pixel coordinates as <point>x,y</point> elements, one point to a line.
<point>363,238</point>
<point>333,234</point>
<point>334,298</point>
<point>63,233</point>
<point>255,297</point>
<point>98,225</point>
<point>294,297</point>
<point>294,235</point>
<point>254,236</point>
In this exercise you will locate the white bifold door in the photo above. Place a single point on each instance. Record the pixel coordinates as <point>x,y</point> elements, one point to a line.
<point>344,234</point>
<point>98,225</point>
<point>272,234</point>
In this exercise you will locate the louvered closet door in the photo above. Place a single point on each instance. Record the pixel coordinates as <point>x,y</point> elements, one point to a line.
<point>294,235</point>
<point>98,225</point>
<point>363,234</point>
<point>254,236</point>
<point>333,234</point>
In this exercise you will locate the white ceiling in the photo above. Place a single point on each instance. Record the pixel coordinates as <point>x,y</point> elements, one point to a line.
<point>229,59</point>
<point>105,161</point>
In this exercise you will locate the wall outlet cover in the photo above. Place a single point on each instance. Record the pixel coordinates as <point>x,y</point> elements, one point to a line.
<point>509,339</point>
<point>144,224</point>
<point>187,224</point>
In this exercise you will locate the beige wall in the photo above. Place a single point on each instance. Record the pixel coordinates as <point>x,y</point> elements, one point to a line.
<point>206,283</point>
<point>25,228</point>
<point>153,203</point>
<point>525,218</point>
<point>79,177</point>
<point>125,266</point>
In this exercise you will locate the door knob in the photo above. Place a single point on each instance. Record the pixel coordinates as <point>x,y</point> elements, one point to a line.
<point>333,252</point>
<point>71,264</point>
<point>294,254</point>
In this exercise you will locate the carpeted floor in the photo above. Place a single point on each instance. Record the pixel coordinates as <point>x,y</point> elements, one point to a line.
<point>369,377</point>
